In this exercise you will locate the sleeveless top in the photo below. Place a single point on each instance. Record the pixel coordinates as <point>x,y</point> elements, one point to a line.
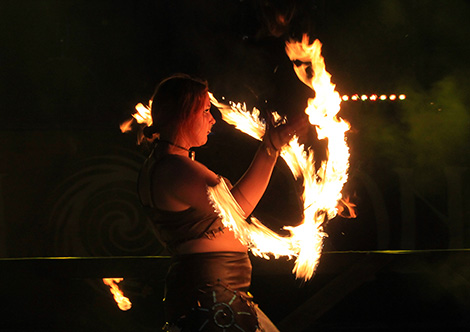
<point>174,227</point>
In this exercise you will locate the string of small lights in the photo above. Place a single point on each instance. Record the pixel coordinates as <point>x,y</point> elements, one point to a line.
<point>373,97</point>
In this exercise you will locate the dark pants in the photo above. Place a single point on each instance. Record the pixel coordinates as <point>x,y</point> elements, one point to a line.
<point>208,292</point>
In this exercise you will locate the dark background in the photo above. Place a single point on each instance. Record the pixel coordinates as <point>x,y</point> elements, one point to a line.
<point>72,71</point>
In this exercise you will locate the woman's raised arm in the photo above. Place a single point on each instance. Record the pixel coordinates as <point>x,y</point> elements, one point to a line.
<point>252,185</point>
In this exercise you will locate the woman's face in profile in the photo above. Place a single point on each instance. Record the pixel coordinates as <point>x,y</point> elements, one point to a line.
<point>202,124</point>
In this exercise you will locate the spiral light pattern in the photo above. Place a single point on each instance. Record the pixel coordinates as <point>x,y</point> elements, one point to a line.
<point>98,213</point>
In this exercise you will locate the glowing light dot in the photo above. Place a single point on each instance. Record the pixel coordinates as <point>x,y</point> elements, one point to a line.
<point>373,97</point>
<point>402,97</point>
<point>392,97</point>
<point>364,97</point>
<point>383,97</point>
<point>354,97</point>
<point>345,98</point>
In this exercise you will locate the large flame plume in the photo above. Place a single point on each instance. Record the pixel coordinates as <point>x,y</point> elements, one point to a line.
<point>322,186</point>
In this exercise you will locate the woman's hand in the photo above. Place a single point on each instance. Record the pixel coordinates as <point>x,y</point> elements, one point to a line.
<point>250,188</point>
<point>279,134</point>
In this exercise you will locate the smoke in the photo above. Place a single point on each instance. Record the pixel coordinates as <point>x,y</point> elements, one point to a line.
<point>426,132</point>
<point>417,48</point>
<point>438,124</point>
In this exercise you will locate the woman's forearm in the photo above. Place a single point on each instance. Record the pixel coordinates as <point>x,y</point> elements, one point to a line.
<point>252,185</point>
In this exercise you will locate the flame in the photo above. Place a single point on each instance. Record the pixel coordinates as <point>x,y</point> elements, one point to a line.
<point>248,122</point>
<point>322,186</point>
<point>126,126</point>
<point>123,302</point>
<point>142,115</point>
<point>345,204</point>
<point>261,240</point>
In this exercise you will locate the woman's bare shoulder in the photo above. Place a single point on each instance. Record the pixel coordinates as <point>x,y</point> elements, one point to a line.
<point>178,169</point>
<point>185,181</point>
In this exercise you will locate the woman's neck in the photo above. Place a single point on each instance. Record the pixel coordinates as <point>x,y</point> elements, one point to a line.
<point>171,147</point>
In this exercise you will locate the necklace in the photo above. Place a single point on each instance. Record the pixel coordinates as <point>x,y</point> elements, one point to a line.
<point>191,153</point>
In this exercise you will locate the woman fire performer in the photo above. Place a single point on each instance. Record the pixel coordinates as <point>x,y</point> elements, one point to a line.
<point>207,283</point>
